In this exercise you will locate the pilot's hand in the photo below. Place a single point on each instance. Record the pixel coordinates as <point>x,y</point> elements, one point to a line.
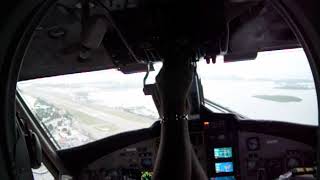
<point>174,83</point>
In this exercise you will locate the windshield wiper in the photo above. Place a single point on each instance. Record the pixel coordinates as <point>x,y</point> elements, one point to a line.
<point>222,108</point>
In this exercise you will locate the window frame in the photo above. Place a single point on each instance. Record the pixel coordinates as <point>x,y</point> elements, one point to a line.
<point>49,151</point>
<point>31,118</point>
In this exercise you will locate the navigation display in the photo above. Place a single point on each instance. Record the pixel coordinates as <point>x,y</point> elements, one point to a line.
<point>225,152</point>
<point>223,178</point>
<point>224,167</point>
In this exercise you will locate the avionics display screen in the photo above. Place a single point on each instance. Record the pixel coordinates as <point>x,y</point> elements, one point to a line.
<point>225,152</point>
<point>223,178</point>
<point>146,175</point>
<point>224,167</point>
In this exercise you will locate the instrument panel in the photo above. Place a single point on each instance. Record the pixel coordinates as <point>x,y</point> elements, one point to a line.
<point>131,162</point>
<point>224,151</point>
<point>270,156</point>
<point>136,161</point>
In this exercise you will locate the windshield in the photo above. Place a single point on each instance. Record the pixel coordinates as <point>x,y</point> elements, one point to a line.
<point>278,86</point>
<point>80,108</point>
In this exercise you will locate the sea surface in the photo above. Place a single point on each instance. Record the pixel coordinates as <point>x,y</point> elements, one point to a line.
<point>239,96</point>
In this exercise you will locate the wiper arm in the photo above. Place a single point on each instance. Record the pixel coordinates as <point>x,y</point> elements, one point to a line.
<point>222,108</point>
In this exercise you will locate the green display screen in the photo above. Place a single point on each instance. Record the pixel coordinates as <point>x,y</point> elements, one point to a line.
<point>225,152</point>
<point>146,175</point>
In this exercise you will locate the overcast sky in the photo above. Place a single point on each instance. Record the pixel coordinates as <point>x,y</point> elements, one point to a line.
<point>284,64</point>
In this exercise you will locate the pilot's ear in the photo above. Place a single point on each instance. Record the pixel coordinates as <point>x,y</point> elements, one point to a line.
<point>158,100</point>
<point>157,94</point>
<point>188,106</point>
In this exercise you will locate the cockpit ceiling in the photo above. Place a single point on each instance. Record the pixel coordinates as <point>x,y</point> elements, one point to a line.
<point>58,46</point>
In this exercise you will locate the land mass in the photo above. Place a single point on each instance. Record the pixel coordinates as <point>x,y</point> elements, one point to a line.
<point>279,98</point>
<point>295,87</point>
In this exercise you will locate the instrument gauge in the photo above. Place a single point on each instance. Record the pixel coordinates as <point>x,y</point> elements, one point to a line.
<point>252,165</point>
<point>253,144</point>
<point>293,162</point>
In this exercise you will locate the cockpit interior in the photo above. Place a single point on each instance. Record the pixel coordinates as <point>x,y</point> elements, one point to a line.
<point>87,96</point>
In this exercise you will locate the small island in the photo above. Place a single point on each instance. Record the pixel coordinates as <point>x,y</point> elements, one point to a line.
<point>295,87</point>
<point>279,98</point>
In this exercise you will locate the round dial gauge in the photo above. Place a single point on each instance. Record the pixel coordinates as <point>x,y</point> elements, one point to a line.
<point>253,144</point>
<point>293,162</point>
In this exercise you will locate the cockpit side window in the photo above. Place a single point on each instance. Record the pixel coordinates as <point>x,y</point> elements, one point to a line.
<point>80,108</point>
<point>277,85</point>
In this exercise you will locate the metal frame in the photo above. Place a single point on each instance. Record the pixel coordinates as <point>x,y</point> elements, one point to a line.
<point>51,158</point>
<point>309,37</point>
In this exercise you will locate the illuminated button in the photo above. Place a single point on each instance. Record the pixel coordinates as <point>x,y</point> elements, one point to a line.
<point>299,170</point>
<point>309,169</point>
<point>221,137</point>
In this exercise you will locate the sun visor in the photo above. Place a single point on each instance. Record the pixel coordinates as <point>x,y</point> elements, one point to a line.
<point>260,29</point>
<point>56,48</point>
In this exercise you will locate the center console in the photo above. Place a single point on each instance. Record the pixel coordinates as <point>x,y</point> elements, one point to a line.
<point>221,140</point>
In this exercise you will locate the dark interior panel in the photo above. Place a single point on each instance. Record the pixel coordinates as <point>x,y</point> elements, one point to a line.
<point>271,155</point>
<point>246,147</point>
<point>133,32</point>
